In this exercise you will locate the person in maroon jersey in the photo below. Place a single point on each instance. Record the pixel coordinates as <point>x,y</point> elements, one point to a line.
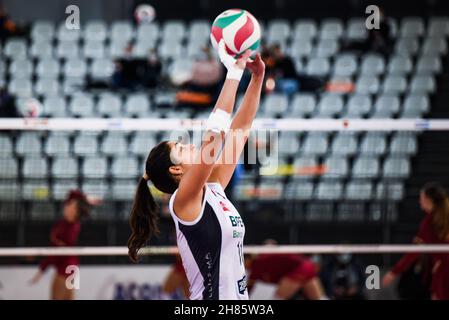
<point>290,272</point>
<point>434,229</point>
<point>64,233</point>
<point>176,280</point>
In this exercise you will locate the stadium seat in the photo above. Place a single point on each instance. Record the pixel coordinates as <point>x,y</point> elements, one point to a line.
<point>434,46</point>
<point>438,27</point>
<point>85,145</point>
<point>122,31</point>
<point>411,27</point>
<point>109,105</point>
<point>97,188</point>
<point>35,190</point>
<point>331,29</point>
<point>42,31</point>
<point>403,144</point>
<point>42,211</point>
<point>406,46</point>
<point>400,65</point>
<point>67,49</point>
<point>356,190</point>
<point>74,68</point>
<point>275,104</point>
<point>55,106</point>
<point>114,144</point>
<point>95,31</point>
<point>326,48</point>
<point>41,50</point>
<point>173,30</point>
<point>48,68</point>
<point>367,85</point>
<point>351,212</point>
<point>396,168</point>
<point>386,106</point>
<point>124,167</point>
<point>94,50</point>
<point>20,87</point>
<point>9,168</point>
<point>47,87</point>
<point>60,188</point>
<point>123,190</point>
<point>429,65</point>
<point>15,48</point>
<point>21,69</point>
<point>423,84</point>
<point>373,143</point>
<point>390,190</point>
<point>300,48</point>
<point>142,142</point>
<point>358,106</point>
<point>137,105</point>
<point>64,167</point>
<point>394,84</point>
<point>82,105</point>
<point>356,29</point>
<point>318,67</point>
<point>344,144</point>
<point>28,143</point>
<point>315,144</point>
<point>101,69</point>
<point>330,105</point>
<point>336,167</point>
<point>366,167</point>
<point>94,167</point>
<point>57,145</point>
<point>372,65</point>
<point>6,146</point>
<point>65,34</point>
<point>299,190</point>
<point>303,104</point>
<point>345,65</point>
<point>35,167</point>
<point>319,212</point>
<point>305,29</point>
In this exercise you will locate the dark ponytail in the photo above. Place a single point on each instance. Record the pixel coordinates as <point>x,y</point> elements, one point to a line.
<point>143,220</point>
<point>144,214</point>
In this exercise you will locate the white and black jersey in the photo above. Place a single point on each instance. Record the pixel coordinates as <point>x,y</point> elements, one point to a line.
<point>211,248</point>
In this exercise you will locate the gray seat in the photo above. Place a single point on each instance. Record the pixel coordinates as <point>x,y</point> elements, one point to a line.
<point>244,190</point>
<point>275,104</point>
<point>299,190</point>
<point>434,46</point>
<point>55,106</point>
<point>303,104</point>
<point>124,167</point>
<point>305,29</point>
<point>95,31</point>
<point>396,168</point>
<point>142,142</point>
<point>42,211</point>
<point>406,46</point>
<point>336,167</point>
<point>344,144</point>
<point>15,48</point>
<point>315,144</point>
<point>35,190</point>
<point>351,212</point>
<point>173,30</point>
<point>65,34</point>
<point>20,87</point>
<point>438,26</point>
<point>82,105</point>
<point>147,33</point>
<point>122,31</point>
<point>123,190</point>
<point>300,48</point>
<point>94,167</point>
<point>278,30</point>
<point>390,190</point>
<point>170,50</point>
<point>9,191</point>
<point>270,189</point>
<point>64,168</point>
<point>109,105</point>
<point>73,86</point>
<point>318,67</point>
<point>85,145</point>
<point>424,84</point>
<point>394,84</point>
<point>67,49</point>
<point>412,27</point>
<point>358,191</point>
<point>28,143</point>
<point>35,167</point>
<point>403,144</point>
<point>326,48</point>
<point>358,106</point>
<point>6,146</point>
<point>57,145</point>
<point>367,85</point>
<point>373,144</point>
<point>21,68</point>
<point>417,104</point>
<point>114,144</point>
<point>199,31</point>
<point>345,65</point>
<point>48,68</point>
<point>117,49</point>
<point>356,29</point>
<point>302,166</point>
<point>9,168</point>
<point>372,65</point>
<point>329,191</point>
<point>41,50</point>
<point>330,105</point>
<point>42,31</point>
<point>60,188</point>
<point>386,106</point>
<point>400,65</point>
<point>137,105</point>
<point>331,29</point>
<point>47,87</point>
<point>94,50</point>
<point>429,65</point>
<point>97,188</point>
<point>101,69</point>
<point>366,167</point>
<point>319,212</point>
<point>75,68</point>
<point>288,144</point>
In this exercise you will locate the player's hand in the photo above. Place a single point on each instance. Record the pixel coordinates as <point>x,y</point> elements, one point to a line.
<point>36,278</point>
<point>256,66</point>
<point>388,279</point>
<point>234,66</point>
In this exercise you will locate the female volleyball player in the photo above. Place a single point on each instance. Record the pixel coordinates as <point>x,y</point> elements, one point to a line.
<point>65,234</point>
<point>209,229</point>
<point>434,229</point>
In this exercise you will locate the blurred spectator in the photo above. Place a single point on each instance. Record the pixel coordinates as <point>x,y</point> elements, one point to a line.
<point>206,73</point>
<point>7,27</point>
<point>65,233</point>
<point>8,108</point>
<point>343,278</point>
<point>378,40</point>
<point>153,70</point>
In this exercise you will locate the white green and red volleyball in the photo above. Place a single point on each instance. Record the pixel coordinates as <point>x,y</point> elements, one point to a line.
<point>239,29</point>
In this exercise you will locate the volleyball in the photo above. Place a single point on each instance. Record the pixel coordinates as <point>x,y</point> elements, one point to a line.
<point>144,13</point>
<point>239,30</point>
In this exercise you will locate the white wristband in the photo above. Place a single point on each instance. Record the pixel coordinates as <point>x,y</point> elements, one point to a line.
<point>219,121</point>
<point>235,73</point>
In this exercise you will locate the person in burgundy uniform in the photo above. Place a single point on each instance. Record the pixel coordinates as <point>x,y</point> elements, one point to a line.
<point>290,272</point>
<point>434,229</point>
<point>176,280</point>
<point>64,233</point>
